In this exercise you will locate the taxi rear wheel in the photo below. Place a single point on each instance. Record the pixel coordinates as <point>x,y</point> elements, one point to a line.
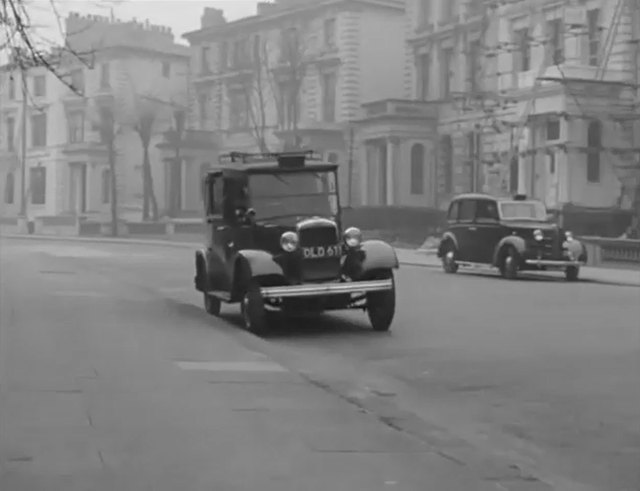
<point>212,304</point>
<point>449,259</point>
<point>509,264</point>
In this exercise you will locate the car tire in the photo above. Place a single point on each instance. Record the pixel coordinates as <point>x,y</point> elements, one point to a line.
<point>381,306</point>
<point>572,273</point>
<point>254,314</point>
<point>212,304</point>
<point>509,264</point>
<point>449,264</point>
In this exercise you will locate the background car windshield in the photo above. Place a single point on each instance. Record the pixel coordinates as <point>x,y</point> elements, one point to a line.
<point>527,210</point>
<point>287,193</point>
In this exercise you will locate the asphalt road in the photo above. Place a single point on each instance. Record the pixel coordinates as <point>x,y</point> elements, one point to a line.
<point>533,384</point>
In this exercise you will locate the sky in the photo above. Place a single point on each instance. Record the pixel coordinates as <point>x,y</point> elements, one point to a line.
<point>181,15</point>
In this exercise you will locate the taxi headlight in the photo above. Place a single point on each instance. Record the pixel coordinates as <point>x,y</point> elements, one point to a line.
<point>289,241</point>
<point>353,237</point>
<point>568,236</point>
<point>537,235</point>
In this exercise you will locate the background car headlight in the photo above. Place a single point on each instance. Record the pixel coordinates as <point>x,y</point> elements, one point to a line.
<point>353,237</point>
<point>537,235</point>
<point>568,236</point>
<point>289,241</point>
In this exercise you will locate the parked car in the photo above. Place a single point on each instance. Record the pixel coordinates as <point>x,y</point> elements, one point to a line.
<point>511,235</point>
<point>274,241</point>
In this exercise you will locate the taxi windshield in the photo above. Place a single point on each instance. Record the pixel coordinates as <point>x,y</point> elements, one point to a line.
<point>283,194</point>
<point>523,210</point>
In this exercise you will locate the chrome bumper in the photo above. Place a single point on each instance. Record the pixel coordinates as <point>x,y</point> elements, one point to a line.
<point>316,290</point>
<point>553,264</point>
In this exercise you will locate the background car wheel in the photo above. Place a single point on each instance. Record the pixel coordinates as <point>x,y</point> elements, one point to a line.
<point>381,306</point>
<point>572,273</point>
<point>254,315</point>
<point>509,264</point>
<point>212,304</point>
<point>449,259</point>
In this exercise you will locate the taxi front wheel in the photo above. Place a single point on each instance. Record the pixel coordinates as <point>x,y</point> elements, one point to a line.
<point>254,314</point>
<point>509,264</point>
<point>572,273</point>
<point>449,259</point>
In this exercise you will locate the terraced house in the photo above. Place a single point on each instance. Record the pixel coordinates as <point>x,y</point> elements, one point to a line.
<point>131,68</point>
<point>538,97</point>
<point>297,73</point>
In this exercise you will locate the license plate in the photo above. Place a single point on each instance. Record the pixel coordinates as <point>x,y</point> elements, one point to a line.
<point>319,252</point>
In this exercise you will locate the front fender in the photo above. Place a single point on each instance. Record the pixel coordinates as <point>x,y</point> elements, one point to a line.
<point>446,238</point>
<point>259,263</point>
<point>512,240</point>
<point>371,256</point>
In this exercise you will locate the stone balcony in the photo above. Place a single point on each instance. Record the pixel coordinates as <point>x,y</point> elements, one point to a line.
<point>399,109</point>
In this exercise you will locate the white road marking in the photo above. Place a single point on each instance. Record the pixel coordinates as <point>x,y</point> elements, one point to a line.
<point>246,366</point>
<point>72,293</point>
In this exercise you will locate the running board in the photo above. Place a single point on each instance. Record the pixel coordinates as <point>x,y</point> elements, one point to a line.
<point>316,290</point>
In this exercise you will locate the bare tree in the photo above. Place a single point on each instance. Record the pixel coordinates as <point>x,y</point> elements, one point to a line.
<point>276,78</point>
<point>144,126</point>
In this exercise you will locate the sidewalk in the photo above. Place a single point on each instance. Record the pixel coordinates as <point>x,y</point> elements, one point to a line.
<point>407,257</point>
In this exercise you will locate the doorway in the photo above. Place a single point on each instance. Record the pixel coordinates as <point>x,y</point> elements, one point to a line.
<point>77,188</point>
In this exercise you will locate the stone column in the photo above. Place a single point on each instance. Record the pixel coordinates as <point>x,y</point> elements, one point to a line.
<point>367,154</point>
<point>183,182</point>
<point>392,154</point>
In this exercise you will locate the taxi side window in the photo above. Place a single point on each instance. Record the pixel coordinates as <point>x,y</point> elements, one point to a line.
<point>213,195</point>
<point>467,210</point>
<point>453,212</point>
<point>487,211</point>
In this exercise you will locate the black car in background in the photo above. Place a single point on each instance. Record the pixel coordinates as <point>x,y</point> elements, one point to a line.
<point>510,234</point>
<point>274,241</point>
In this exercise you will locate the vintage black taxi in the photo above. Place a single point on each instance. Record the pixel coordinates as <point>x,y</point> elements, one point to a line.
<point>274,241</point>
<point>510,234</point>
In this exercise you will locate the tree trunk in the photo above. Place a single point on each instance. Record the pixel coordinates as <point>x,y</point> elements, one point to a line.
<point>114,191</point>
<point>151,195</point>
<point>145,193</point>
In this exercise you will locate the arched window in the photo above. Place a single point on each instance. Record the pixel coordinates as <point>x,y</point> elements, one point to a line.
<point>9,189</point>
<point>594,144</point>
<point>446,155</point>
<point>417,169</point>
<point>106,186</point>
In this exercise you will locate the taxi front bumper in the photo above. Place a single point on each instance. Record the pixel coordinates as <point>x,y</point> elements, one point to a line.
<point>321,289</point>
<point>551,263</point>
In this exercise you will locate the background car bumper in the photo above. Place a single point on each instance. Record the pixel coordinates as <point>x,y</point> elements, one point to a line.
<point>553,263</point>
<point>326,289</point>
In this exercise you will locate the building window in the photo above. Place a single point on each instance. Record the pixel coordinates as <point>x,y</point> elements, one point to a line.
<point>289,45</point>
<point>9,189</point>
<point>76,127</point>
<point>556,41</point>
<point>241,56</point>
<point>329,83</point>
<point>473,66</point>
<point>238,110</point>
<point>423,75</point>
<point>11,134</point>
<point>105,186</point>
<point>106,125</point>
<point>105,76</point>
<point>522,53</point>
<point>38,185</point>
<point>223,53</point>
<point>553,129</point>
<point>204,60</point>
<point>166,69</point>
<point>446,153</point>
<point>39,86</point>
<point>448,10</point>
<point>552,162</point>
<point>424,13</point>
<point>330,33</point>
<point>202,110</point>
<point>39,130</point>
<point>594,147</point>
<point>12,87</point>
<point>593,20</point>
<point>447,72</point>
<point>417,169</point>
<point>77,80</point>
<point>256,54</point>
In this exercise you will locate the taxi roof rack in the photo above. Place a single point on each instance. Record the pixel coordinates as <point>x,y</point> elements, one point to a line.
<point>284,159</point>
